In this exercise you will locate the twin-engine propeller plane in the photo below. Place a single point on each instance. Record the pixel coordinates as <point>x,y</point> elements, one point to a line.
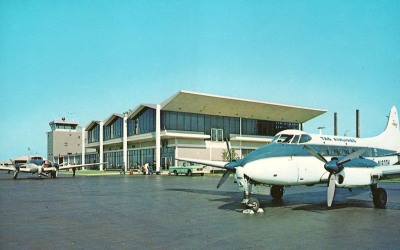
<point>298,158</point>
<point>42,168</point>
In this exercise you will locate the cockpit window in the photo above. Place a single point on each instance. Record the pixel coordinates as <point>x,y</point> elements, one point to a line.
<point>275,139</point>
<point>305,138</point>
<point>295,139</point>
<point>285,138</point>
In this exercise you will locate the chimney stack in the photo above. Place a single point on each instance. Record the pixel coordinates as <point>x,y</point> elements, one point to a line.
<point>335,124</point>
<point>358,123</point>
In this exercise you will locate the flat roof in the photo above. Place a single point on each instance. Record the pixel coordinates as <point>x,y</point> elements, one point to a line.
<point>63,122</point>
<point>191,102</point>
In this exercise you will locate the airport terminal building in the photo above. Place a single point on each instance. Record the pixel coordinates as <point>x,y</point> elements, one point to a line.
<point>188,124</point>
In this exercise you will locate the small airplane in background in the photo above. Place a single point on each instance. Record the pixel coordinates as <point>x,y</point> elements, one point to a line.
<point>41,167</point>
<point>297,158</point>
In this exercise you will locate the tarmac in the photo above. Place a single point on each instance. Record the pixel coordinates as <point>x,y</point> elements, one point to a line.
<point>180,212</point>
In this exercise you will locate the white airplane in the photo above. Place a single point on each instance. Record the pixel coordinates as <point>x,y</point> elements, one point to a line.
<point>42,168</point>
<point>298,158</point>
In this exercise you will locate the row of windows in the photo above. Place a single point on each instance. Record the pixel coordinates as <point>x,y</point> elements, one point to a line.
<point>62,126</point>
<point>346,150</point>
<point>225,125</point>
<point>145,122</point>
<point>139,157</point>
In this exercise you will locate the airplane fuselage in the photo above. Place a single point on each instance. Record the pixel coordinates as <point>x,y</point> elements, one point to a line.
<point>287,162</point>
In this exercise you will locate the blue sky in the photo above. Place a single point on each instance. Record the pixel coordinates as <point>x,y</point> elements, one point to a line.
<point>88,59</point>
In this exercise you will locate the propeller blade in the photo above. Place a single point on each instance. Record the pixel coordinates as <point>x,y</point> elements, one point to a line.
<point>229,149</point>
<point>15,175</point>
<point>331,189</point>
<point>315,154</point>
<point>352,156</point>
<point>224,178</point>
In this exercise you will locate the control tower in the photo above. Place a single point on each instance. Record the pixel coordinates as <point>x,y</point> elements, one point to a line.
<point>64,142</point>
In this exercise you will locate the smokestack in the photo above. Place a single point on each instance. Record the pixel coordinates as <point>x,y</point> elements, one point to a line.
<point>335,124</point>
<point>358,123</point>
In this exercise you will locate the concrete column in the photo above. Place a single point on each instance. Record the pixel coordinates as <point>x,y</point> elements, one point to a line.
<point>158,138</point>
<point>83,145</point>
<point>101,145</point>
<point>125,142</point>
<point>240,134</point>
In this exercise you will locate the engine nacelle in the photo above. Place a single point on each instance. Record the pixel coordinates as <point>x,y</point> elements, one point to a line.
<point>354,177</point>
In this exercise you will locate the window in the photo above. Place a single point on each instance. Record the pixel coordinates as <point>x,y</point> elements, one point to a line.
<point>305,138</point>
<point>295,139</point>
<point>285,138</point>
<point>217,134</point>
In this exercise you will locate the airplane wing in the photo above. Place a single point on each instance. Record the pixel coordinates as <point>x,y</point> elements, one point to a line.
<point>217,164</point>
<point>387,172</point>
<point>79,166</point>
<point>49,169</point>
<point>7,168</point>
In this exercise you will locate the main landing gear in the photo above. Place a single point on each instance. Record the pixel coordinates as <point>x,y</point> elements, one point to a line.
<point>379,196</point>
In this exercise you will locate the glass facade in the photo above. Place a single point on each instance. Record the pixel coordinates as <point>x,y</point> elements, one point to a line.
<point>94,134</point>
<point>91,158</point>
<point>221,126</point>
<point>139,157</point>
<point>144,122</point>
<point>114,130</point>
<point>217,127</point>
<point>115,159</point>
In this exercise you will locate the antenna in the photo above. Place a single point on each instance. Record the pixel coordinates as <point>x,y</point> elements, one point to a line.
<point>320,130</point>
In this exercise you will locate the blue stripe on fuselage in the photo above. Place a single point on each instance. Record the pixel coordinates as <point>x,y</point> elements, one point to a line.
<point>285,149</point>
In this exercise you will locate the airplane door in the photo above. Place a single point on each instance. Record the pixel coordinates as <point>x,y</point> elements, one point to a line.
<point>301,173</point>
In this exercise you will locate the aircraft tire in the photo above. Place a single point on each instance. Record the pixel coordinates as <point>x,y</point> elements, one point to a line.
<point>254,204</point>
<point>277,192</point>
<point>380,198</point>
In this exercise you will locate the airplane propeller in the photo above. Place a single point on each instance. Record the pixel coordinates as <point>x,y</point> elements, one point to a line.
<point>16,172</point>
<point>334,166</point>
<point>230,166</point>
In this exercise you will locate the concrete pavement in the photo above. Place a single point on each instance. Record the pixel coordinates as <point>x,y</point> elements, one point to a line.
<point>179,212</point>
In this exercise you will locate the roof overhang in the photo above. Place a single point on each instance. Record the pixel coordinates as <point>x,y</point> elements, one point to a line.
<point>91,125</point>
<point>198,103</point>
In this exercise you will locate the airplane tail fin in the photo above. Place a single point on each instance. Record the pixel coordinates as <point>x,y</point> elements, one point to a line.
<point>391,135</point>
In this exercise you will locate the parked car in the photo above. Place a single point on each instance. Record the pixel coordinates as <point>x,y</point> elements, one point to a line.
<point>187,169</point>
